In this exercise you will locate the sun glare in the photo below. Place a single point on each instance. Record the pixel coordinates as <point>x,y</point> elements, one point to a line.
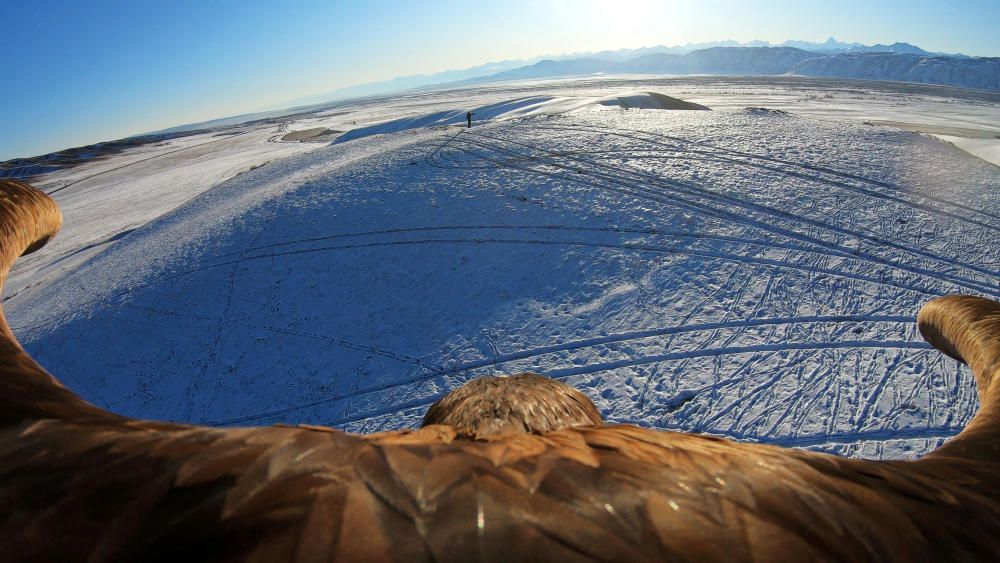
<point>612,25</point>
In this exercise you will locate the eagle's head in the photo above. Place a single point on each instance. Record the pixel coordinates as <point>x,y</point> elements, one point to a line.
<point>526,402</point>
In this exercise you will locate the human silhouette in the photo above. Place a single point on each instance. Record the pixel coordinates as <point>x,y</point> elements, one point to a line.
<point>468,117</point>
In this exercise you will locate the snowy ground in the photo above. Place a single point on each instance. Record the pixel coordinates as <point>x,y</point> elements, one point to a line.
<point>742,272</point>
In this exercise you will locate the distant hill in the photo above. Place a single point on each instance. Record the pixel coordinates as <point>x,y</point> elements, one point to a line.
<point>829,47</point>
<point>899,61</point>
<point>982,73</point>
<point>904,48</point>
<point>832,47</point>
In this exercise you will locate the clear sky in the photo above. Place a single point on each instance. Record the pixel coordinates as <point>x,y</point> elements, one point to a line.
<point>78,72</point>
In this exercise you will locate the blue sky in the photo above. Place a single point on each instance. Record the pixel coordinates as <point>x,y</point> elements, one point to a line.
<point>79,72</point>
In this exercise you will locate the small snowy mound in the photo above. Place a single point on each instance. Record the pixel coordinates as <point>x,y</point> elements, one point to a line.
<point>765,112</point>
<point>649,100</point>
<point>311,135</point>
<point>525,107</point>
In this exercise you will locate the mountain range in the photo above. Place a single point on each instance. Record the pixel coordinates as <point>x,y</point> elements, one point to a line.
<point>492,69</point>
<point>829,47</point>
<point>898,62</point>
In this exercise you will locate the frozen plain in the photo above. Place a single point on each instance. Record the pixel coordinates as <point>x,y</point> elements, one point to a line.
<point>743,272</point>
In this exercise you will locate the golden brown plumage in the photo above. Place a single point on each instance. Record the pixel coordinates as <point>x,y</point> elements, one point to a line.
<point>526,402</point>
<point>80,484</point>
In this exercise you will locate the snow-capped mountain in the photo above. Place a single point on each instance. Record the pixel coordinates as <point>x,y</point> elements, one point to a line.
<point>832,47</point>
<point>903,48</point>
<point>968,72</point>
<point>899,61</point>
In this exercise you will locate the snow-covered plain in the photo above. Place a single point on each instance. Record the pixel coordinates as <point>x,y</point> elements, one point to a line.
<point>743,272</point>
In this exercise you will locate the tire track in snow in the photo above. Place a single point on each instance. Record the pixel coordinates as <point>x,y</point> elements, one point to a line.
<point>586,343</point>
<point>871,402</point>
<point>853,253</point>
<point>549,242</point>
<point>632,134</point>
<point>607,366</point>
<point>697,191</point>
<point>808,391</point>
<point>739,258</point>
<point>688,155</point>
<point>636,190</point>
<point>764,243</point>
<point>712,297</point>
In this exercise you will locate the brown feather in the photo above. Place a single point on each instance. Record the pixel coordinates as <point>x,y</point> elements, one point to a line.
<point>526,402</point>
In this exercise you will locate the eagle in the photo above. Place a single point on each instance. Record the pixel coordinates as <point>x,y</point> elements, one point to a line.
<point>518,468</point>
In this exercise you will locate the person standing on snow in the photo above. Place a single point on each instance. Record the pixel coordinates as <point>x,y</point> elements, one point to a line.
<point>468,117</point>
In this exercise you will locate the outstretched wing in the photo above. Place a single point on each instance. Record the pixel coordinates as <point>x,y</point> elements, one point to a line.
<point>142,491</point>
<point>28,219</point>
